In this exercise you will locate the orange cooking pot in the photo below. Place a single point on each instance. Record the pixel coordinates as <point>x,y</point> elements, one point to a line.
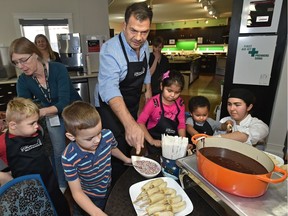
<point>235,167</point>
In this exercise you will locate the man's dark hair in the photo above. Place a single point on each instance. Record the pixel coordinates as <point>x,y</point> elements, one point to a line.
<point>140,11</point>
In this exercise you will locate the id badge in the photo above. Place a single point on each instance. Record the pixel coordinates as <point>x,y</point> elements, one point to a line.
<point>54,120</point>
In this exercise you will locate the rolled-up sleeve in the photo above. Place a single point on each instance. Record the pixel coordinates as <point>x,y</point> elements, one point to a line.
<point>257,131</point>
<point>109,73</point>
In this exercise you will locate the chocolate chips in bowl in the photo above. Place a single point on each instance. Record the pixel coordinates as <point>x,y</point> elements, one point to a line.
<point>145,166</point>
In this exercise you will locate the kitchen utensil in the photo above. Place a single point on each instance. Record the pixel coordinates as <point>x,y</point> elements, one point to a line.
<point>174,147</point>
<point>231,181</point>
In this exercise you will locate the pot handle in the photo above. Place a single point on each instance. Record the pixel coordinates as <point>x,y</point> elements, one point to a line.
<point>198,137</point>
<point>278,180</point>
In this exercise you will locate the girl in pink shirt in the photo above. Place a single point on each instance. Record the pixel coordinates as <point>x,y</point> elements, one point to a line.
<point>164,113</point>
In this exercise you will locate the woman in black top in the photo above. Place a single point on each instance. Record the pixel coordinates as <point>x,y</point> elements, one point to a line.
<point>158,64</point>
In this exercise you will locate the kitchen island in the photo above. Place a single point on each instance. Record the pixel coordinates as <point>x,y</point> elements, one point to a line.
<point>189,66</point>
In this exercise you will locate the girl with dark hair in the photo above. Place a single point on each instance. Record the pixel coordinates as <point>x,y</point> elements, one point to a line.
<point>164,113</point>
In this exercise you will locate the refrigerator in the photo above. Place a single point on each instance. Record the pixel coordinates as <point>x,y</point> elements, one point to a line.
<point>91,45</point>
<point>70,51</point>
<point>7,70</point>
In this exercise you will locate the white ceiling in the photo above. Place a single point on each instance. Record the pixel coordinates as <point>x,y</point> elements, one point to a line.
<point>172,10</point>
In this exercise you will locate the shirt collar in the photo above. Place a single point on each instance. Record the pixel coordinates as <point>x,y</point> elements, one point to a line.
<point>129,48</point>
<point>246,120</point>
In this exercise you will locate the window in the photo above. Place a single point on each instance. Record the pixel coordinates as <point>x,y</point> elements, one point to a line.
<point>49,25</point>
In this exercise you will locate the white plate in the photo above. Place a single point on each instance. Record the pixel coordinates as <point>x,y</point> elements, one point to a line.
<point>135,190</point>
<point>139,158</point>
<point>278,161</point>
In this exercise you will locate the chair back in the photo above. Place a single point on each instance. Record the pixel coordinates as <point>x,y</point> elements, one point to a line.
<point>25,195</point>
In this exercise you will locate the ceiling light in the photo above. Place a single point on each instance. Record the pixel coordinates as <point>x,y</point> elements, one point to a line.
<point>211,10</point>
<point>252,7</point>
<point>205,5</point>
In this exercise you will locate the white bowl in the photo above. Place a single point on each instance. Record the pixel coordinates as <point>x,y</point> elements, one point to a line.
<point>145,166</point>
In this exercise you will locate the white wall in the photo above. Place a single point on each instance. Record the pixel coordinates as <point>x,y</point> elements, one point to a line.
<point>278,125</point>
<point>89,16</point>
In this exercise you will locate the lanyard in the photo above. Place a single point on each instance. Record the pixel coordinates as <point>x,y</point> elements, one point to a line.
<point>48,95</point>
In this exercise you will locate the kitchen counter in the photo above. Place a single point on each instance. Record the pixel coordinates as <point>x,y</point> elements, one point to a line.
<point>73,75</point>
<point>273,202</point>
<point>82,82</point>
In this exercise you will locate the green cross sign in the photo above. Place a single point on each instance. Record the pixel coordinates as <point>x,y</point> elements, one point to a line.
<point>253,52</point>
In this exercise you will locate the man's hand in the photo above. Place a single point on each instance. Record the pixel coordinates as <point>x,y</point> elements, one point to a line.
<point>135,136</point>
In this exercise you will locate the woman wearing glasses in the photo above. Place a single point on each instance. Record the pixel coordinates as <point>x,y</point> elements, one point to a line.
<point>50,85</point>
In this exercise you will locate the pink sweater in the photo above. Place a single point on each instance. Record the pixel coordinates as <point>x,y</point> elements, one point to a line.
<point>151,112</point>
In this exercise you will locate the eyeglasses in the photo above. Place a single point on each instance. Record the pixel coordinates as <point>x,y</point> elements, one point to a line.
<point>16,63</point>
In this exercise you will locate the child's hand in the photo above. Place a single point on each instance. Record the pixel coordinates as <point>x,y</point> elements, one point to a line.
<point>128,161</point>
<point>190,146</point>
<point>156,143</point>
<point>229,126</point>
<point>5,177</point>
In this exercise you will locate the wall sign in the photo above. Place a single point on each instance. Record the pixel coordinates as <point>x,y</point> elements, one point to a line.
<point>254,59</point>
<point>260,16</point>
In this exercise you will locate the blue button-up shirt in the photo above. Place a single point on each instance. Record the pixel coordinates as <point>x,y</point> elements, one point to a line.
<point>113,67</point>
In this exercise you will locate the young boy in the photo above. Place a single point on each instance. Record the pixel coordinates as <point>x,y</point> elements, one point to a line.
<point>21,148</point>
<point>87,159</point>
<point>199,121</point>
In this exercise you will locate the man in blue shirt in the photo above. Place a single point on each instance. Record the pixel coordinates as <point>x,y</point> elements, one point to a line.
<point>123,71</point>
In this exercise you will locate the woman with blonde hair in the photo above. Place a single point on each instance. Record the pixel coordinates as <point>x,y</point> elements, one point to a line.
<point>44,46</point>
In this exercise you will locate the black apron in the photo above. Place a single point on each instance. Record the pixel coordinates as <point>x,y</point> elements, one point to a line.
<point>164,126</point>
<point>206,128</point>
<point>25,155</point>
<point>131,89</point>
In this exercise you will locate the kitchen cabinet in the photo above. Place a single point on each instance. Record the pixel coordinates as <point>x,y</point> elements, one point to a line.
<point>7,92</point>
<point>189,68</point>
<point>210,35</point>
<point>208,64</point>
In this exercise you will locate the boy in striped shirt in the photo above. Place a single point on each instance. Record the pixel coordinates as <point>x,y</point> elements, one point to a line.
<point>87,158</point>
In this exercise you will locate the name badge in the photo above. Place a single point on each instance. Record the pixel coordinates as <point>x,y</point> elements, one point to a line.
<point>54,120</point>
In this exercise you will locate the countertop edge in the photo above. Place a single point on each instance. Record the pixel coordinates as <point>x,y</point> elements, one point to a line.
<point>14,79</point>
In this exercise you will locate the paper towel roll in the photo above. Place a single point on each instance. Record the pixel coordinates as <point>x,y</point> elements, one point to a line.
<point>88,64</point>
